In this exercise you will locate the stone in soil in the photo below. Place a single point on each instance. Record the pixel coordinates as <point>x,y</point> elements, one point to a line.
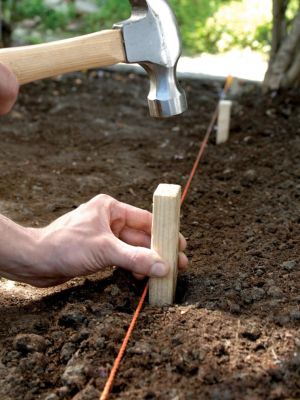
<point>71,318</point>
<point>275,292</point>
<point>88,393</point>
<point>67,351</point>
<point>74,376</point>
<point>30,342</point>
<point>289,265</point>
<point>295,315</point>
<point>251,333</point>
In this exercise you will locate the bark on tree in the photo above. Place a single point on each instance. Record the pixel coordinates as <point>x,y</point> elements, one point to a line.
<point>5,38</point>
<point>284,65</point>
<point>7,8</point>
<point>279,25</point>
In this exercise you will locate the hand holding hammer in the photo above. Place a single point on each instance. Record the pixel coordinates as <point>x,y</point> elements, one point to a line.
<point>149,37</point>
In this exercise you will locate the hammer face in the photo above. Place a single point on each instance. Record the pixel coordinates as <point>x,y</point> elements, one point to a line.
<point>151,38</point>
<point>166,98</point>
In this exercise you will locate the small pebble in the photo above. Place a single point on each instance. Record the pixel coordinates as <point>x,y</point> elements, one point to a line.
<point>257,293</point>
<point>288,265</point>
<point>58,336</point>
<point>34,362</point>
<point>63,392</point>
<point>275,292</point>
<point>102,309</point>
<point>295,315</point>
<point>29,342</point>
<point>51,396</point>
<point>248,178</point>
<point>100,343</point>
<point>260,272</point>
<point>234,308</point>
<point>252,294</point>
<point>113,290</point>
<point>251,334</point>
<point>88,393</point>
<point>238,286</point>
<point>67,351</point>
<point>74,376</point>
<point>281,320</point>
<point>270,282</point>
<point>140,348</point>
<point>80,336</point>
<point>71,318</point>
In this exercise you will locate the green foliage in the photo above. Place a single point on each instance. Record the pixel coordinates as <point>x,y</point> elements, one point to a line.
<point>30,8</point>
<point>105,17</point>
<point>109,12</point>
<point>192,16</point>
<point>221,25</point>
<point>292,9</point>
<point>206,25</point>
<point>32,39</point>
<point>113,10</point>
<point>50,18</point>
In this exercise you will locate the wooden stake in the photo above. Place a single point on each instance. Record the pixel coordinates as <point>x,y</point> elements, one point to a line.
<point>165,237</point>
<point>223,121</point>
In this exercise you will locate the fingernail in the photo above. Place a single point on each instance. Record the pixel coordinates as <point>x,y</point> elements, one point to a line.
<point>159,269</point>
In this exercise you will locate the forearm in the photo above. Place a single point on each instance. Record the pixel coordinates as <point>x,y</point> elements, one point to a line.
<point>17,248</point>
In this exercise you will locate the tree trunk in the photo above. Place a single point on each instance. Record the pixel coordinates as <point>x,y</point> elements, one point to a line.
<point>7,11</point>
<point>284,65</point>
<point>5,39</point>
<point>279,25</point>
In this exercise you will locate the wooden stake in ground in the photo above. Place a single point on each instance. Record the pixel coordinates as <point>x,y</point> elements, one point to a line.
<point>223,121</point>
<point>165,237</point>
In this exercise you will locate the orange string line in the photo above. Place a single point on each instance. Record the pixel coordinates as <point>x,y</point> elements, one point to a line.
<point>203,145</point>
<point>113,372</point>
<point>109,383</point>
<point>199,155</point>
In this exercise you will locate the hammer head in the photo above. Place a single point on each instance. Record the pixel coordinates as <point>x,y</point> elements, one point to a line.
<point>151,38</point>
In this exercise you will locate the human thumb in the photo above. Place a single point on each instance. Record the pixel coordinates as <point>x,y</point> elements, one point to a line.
<point>140,260</point>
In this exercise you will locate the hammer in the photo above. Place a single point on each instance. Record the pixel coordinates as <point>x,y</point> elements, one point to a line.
<point>149,37</point>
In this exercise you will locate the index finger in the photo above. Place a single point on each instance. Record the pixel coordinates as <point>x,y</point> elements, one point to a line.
<point>136,218</point>
<point>141,220</point>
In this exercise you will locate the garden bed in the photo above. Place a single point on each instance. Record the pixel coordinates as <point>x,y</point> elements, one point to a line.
<point>234,330</point>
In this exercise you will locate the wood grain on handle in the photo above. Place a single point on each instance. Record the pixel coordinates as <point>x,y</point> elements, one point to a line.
<point>31,63</point>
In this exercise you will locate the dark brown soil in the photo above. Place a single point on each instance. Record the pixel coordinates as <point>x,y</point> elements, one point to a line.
<point>234,332</point>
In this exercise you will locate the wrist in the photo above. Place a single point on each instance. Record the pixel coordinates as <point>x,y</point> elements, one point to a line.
<point>18,251</point>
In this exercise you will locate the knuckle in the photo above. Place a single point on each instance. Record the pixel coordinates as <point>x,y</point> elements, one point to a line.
<point>100,199</point>
<point>104,200</point>
<point>103,197</point>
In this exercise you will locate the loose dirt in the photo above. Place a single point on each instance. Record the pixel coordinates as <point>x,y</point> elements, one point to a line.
<point>234,330</point>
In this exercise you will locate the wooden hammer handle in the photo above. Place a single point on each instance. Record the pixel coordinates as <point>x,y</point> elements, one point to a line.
<point>31,63</point>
